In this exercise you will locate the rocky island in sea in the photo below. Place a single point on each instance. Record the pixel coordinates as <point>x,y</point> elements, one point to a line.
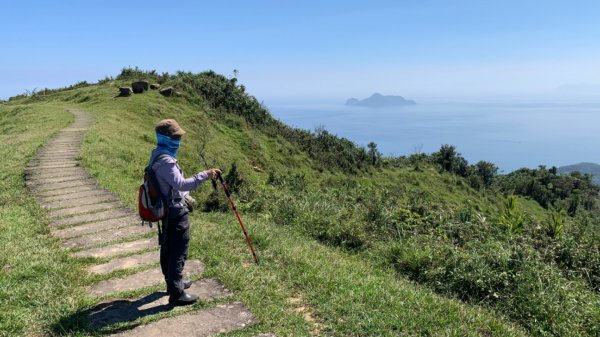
<point>380,101</point>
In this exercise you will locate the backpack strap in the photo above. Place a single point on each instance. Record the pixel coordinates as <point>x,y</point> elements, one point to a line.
<point>162,155</point>
<point>164,221</point>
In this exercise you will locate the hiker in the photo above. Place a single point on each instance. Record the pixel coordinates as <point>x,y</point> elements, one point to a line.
<point>174,188</point>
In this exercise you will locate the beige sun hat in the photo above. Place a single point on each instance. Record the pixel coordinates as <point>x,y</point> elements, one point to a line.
<point>169,128</point>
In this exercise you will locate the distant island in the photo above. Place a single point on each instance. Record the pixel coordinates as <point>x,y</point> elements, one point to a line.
<point>586,168</point>
<point>380,101</point>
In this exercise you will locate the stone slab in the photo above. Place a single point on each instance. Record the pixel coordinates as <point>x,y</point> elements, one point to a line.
<point>98,216</point>
<point>72,211</point>
<point>73,195</point>
<point>53,148</point>
<point>31,181</point>
<point>123,310</point>
<point>105,236</point>
<point>59,144</point>
<point>119,248</point>
<point>94,227</point>
<point>63,138</point>
<point>79,201</point>
<point>51,193</point>
<point>57,166</point>
<point>61,185</point>
<point>56,156</point>
<point>60,154</point>
<point>43,174</point>
<point>204,323</point>
<point>146,278</point>
<point>125,263</point>
<point>53,161</point>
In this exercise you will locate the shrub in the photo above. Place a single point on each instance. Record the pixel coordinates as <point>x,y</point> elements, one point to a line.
<point>512,217</point>
<point>504,276</point>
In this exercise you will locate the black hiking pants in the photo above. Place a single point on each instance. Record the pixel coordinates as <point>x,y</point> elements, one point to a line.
<point>174,249</point>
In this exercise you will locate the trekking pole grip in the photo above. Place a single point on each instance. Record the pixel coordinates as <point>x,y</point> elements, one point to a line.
<point>225,187</point>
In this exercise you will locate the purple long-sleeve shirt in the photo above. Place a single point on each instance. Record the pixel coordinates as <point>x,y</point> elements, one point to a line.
<point>171,181</point>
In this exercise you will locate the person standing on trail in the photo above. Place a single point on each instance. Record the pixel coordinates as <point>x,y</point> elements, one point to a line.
<point>175,188</point>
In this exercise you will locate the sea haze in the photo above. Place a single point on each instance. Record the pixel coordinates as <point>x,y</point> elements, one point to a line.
<point>510,135</point>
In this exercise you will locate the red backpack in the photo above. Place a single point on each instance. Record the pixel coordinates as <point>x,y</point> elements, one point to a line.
<point>152,206</point>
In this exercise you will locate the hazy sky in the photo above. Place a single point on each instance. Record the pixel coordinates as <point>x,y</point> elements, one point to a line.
<point>298,50</point>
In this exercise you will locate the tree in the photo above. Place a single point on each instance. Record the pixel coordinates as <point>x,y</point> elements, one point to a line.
<point>486,171</point>
<point>451,161</point>
<point>445,156</point>
<point>374,154</point>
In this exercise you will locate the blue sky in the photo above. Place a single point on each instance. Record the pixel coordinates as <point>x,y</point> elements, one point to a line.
<point>299,50</point>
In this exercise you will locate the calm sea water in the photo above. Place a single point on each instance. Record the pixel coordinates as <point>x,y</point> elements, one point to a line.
<point>509,135</point>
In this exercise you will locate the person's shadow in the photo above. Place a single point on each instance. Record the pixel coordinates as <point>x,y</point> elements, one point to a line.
<point>104,314</point>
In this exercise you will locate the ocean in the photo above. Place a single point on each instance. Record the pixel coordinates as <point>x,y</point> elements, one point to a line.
<point>511,135</point>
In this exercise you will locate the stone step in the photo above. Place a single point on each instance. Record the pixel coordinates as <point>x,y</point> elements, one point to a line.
<point>42,174</point>
<point>45,157</point>
<point>125,263</point>
<point>56,152</point>
<point>69,190</point>
<point>105,236</point>
<point>66,139</point>
<point>119,248</point>
<point>123,310</point>
<point>146,278</point>
<point>55,144</point>
<point>31,181</point>
<point>60,150</point>
<point>56,156</point>
<point>203,323</point>
<point>56,166</point>
<point>64,144</point>
<point>79,201</point>
<point>72,211</point>
<point>63,138</point>
<point>54,162</point>
<point>94,227</point>
<point>93,217</point>
<point>61,185</point>
<point>73,195</point>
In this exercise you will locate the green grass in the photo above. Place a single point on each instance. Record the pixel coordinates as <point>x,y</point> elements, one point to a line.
<point>39,282</point>
<point>313,279</point>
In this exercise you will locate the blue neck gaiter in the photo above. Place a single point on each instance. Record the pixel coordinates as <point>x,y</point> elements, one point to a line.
<point>167,145</point>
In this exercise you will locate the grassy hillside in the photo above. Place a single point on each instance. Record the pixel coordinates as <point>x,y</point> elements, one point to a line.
<point>349,247</point>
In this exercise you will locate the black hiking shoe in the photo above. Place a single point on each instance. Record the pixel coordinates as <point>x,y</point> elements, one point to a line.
<point>186,285</point>
<point>183,299</point>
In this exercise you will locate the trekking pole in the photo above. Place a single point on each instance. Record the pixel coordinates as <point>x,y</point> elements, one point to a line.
<point>237,215</point>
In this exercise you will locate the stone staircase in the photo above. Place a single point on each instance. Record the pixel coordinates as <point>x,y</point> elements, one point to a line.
<point>94,224</point>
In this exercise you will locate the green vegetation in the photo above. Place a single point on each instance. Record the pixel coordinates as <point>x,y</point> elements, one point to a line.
<point>352,244</point>
<point>39,282</point>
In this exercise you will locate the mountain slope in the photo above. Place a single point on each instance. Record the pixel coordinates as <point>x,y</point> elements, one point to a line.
<point>374,251</point>
<point>585,168</point>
